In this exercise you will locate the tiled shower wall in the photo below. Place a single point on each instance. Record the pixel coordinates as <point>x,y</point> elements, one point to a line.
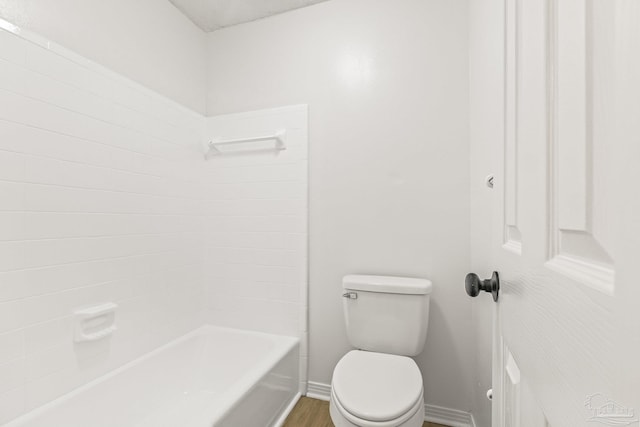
<point>105,197</point>
<point>100,200</point>
<point>256,255</point>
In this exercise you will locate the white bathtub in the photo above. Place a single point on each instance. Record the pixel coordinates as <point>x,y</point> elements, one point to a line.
<point>210,377</point>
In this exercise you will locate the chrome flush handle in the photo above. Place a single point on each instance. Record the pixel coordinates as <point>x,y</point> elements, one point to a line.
<point>350,295</point>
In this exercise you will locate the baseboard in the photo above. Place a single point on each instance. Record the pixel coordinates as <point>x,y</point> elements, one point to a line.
<point>318,390</point>
<point>283,417</point>
<point>448,416</point>
<point>433,413</point>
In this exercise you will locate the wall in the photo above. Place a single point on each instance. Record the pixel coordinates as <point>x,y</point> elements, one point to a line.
<point>387,88</point>
<point>99,201</point>
<point>486,62</point>
<point>256,227</point>
<point>148,41</point>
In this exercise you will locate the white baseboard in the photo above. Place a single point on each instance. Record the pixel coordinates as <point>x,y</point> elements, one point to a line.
<point>448,417</point>
<point>433,413</point>
<point>318,390</point>
<point>283,417</point>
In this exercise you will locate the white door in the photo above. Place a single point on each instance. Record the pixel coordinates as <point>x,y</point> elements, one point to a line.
<point>567,232</point>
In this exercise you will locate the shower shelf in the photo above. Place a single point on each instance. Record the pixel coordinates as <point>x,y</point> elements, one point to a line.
<point>273,142</point>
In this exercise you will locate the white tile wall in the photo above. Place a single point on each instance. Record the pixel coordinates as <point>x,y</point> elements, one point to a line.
<point>256,253</point>
<point>104,196</point>
<point>101,199</point>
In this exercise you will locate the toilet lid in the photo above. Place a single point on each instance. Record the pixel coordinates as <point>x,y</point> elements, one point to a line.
<point>376,386</point>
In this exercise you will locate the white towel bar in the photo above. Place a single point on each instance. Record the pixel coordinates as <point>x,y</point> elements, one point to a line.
<point>238,145</point>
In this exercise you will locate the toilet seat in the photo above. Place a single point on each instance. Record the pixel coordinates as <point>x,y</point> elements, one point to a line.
<point>414,417</point>
<point>377,389</point>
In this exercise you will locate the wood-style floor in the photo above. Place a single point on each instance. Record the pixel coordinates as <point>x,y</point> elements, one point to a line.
<point>315,413</point>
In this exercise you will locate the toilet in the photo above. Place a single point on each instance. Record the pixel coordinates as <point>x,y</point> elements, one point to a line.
<point>378,384</point>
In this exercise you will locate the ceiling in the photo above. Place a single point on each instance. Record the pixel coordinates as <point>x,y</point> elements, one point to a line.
<point>211,15</point>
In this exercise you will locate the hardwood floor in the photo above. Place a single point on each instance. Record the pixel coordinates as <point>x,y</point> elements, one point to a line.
<point>315,413</point>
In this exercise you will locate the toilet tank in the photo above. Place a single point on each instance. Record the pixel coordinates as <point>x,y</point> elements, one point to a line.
<point>386,314</point>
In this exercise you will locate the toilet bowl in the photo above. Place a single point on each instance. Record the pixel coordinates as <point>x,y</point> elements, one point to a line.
<point>371,389</point>
<point>378,385</point>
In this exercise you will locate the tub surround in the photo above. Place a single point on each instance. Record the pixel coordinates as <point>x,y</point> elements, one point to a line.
<point>105,197</point>
<point>256,210</point>
<point>100,202</point>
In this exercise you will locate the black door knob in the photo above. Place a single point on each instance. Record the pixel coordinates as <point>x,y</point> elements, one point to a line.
<point>473,285</point>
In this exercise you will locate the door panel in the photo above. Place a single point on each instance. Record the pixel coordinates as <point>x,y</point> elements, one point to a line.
<point>565,329</point>
<point>521,407</point>
<point>580,78</point>
<point>512,236</point>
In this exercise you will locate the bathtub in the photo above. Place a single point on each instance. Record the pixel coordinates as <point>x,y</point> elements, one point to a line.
<point>210,377</point>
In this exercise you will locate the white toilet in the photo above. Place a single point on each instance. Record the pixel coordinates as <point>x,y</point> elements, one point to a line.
<point>378,385</point>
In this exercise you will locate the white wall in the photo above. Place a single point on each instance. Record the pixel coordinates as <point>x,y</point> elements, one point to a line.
<point>99,201</point>
<point>386,83</point>
<point>149,41</point>
<point>486,61</point>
